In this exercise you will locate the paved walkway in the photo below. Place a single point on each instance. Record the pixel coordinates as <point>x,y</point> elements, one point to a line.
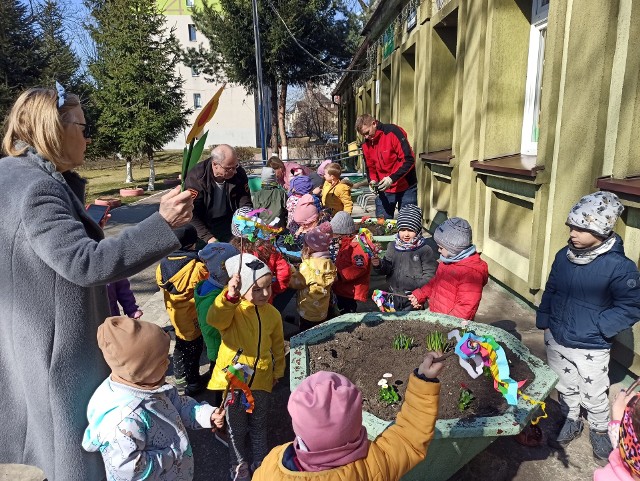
<point>503,460</point>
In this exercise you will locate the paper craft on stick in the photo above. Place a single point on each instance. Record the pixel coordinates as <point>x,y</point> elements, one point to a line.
<point>238,377</point>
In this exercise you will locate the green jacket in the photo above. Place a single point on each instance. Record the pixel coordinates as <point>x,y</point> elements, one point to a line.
<point>211,334</point>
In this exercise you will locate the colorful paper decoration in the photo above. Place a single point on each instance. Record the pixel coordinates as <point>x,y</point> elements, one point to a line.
<point>238,377</point>
<point>384,300</point>
<point>365,239</point>
<point>475,352</point>
<point>254,228</point>
<point>205,115</point>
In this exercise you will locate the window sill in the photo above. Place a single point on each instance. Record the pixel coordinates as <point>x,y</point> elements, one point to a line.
<point>515,164</point>
<point>629,186</point>
<point>437,157</point>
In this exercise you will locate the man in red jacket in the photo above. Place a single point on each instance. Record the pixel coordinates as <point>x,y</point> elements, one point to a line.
<point>390,163</point>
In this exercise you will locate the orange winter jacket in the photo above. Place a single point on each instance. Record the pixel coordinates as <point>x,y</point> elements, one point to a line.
<point>456,289</point>
<point>398,449</point>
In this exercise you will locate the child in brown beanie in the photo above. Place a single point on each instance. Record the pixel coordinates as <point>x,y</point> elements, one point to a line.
<point>136,420</point>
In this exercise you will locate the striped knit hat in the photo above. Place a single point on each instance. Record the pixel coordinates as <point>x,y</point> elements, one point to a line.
<point>410,218</point>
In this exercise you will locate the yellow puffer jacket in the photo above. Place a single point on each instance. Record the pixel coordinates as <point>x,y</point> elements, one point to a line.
<point>396,451</point>
<point>337,198</point>
<point>313,282</point>
<point>254,329</point>
<point>177,276</point>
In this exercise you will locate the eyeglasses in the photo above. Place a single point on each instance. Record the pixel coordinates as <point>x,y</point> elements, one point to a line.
<point>228,169</point>
<point>86,133</point>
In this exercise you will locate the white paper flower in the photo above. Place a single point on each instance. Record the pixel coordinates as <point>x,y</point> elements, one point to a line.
<point>387,374</point>
<point>382,382</point>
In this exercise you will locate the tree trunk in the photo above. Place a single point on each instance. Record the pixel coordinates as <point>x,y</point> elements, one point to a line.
<point>129,178</point>
<point>152,171</point>
<point>274,117</point>
<point>282,108</point>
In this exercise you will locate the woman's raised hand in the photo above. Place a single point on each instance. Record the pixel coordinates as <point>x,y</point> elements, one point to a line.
<point>176,207</point>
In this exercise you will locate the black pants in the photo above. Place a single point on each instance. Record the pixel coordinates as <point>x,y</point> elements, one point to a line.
<point>346,305</point>
<point>186,359</point>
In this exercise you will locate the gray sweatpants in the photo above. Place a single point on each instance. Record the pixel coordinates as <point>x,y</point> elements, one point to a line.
<point>240,424</point>
<point>583,381</point>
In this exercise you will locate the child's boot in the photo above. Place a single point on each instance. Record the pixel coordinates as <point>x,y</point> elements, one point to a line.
<point>571,430</point>
<point>601,445</point>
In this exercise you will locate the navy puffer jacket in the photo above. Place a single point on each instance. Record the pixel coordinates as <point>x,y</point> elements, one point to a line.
<point>585,306</point>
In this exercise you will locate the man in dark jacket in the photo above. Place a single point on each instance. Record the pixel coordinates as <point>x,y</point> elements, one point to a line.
<point>222,187</point>
<point>390,163</point>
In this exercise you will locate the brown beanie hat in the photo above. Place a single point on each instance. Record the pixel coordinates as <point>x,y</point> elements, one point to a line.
<point>136,351</point>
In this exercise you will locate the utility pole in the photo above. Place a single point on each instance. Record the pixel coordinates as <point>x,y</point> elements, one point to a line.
<point>260,90</point>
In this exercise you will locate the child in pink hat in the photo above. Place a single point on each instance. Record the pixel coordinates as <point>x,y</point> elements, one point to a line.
<point>331,443</point>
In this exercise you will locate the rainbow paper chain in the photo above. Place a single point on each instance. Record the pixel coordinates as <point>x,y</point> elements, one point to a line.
<point>238,377</point>
<point>365,239</point>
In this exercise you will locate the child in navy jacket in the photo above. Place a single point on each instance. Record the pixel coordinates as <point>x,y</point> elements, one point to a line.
<point>592,294</point>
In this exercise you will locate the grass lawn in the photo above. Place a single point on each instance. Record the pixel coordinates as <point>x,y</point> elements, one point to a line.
<point>106,177</point>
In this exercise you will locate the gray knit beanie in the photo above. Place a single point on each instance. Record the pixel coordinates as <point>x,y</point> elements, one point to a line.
<point>410,218</point>
<point>268,175</point>
<point>342,224</point>
<point>454,235</point>
<point>252,269</point>
<point>596,213</point>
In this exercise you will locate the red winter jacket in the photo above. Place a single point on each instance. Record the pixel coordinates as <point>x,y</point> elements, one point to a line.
<point>353,268</point>
<point>456,289</point>
<point>388,154</point>
<point>280,269</point>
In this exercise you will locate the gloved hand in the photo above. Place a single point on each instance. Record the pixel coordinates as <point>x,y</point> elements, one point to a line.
<point>373,186</point>
<point>385,184</point>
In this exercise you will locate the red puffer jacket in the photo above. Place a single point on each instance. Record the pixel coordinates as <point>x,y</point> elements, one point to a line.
<point>280,269</point>
<point>456,289</point>
<point>388,153</point>
<point>353,268</point>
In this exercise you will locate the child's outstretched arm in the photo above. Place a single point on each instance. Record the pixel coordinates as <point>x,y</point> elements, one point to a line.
<point>617,410</point>
<point>194,415</point>
<point>403,445</point>
<point>420,295</point>
<point>468,297</point>
<point>222,310</point>
<point>125,297</point>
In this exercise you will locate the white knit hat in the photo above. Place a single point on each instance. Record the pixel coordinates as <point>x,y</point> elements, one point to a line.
<point>252,269</point>
<point>596,213</point>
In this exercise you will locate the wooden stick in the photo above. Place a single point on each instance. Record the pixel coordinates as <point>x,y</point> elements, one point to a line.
<point>443,357</point>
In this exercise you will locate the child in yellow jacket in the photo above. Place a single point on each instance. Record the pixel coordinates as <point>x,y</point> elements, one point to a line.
<point>331,444</point>
<point>336,195</point>
<point>314,277</point>
<point>177,276</point>
<point>251,331</point>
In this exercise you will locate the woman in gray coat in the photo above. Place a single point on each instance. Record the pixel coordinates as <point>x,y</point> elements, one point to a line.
<point>55,264</point>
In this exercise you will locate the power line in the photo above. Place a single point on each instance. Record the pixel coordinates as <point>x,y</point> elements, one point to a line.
<point>331,67</point>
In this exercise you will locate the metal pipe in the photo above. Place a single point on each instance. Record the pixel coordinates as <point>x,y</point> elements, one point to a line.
<point>260,89</point>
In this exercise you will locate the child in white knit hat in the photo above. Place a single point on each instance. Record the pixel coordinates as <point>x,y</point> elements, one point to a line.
<point>456,289</point>
<point>251,330</point>
<point>592,294</point>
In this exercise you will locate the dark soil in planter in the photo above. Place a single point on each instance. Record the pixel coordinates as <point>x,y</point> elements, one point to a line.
<point>379,230</point>
<point>366,352</point>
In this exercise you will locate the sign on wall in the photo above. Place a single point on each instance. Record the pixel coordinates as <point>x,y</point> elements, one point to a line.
<point>388,41</point>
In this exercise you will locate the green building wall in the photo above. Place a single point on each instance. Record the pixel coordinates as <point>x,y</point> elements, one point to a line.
<point>456,82</point>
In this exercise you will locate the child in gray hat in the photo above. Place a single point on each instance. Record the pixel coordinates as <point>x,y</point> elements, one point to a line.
<point>592,294</point>
<point>409,262</point>
<point>456,289</point>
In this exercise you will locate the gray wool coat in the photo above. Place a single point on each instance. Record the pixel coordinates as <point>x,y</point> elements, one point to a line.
<point>55,264</point>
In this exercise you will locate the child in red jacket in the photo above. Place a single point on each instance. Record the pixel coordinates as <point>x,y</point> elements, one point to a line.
<point>456,289</point>
<point>352,263</point>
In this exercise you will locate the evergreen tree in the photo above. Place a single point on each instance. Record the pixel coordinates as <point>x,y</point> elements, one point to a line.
<point>62,64</point>
<point>138,91</point>
<point>21,60</point>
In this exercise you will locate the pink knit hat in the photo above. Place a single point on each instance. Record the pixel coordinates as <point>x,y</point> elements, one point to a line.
<point>326,413</point>
<point>306,210</point>
<point>322,166</point>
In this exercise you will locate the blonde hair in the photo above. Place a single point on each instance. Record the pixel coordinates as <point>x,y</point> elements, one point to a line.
<point>275,163</point>
<point>333,169</point>
<point>36,120</point>
<point>364,119</point>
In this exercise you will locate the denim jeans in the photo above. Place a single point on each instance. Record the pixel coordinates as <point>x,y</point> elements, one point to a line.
<point>386,202</point>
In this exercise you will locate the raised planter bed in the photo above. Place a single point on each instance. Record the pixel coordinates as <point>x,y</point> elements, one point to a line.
<point>382,239</point>
<point>457,440</point>
<point>132,192</point>
<point>112,202</point>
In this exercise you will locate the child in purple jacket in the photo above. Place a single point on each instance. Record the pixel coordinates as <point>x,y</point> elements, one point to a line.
<point>120,292</point>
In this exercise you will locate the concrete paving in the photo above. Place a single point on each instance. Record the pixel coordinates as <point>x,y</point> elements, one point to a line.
<point>503,460</point>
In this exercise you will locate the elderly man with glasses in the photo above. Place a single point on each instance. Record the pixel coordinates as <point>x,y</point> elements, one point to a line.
<point>222,187</point>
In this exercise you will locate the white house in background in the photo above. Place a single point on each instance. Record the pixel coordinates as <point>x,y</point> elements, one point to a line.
<point>235,123</point>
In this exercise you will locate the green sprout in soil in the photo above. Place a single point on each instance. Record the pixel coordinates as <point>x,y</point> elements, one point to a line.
<point>487,372</point>
<point>289,239</point>
<point>437,342</point>
<point>465,398</point>
<point>402,342</point>
<point>387,394</point>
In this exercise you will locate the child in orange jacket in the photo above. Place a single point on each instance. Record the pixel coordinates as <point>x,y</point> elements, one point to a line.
<point>352,263</point>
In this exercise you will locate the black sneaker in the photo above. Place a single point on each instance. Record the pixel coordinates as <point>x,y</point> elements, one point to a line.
<point>193,389</point>
<point>601,445</point>
<point>571,430</point>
